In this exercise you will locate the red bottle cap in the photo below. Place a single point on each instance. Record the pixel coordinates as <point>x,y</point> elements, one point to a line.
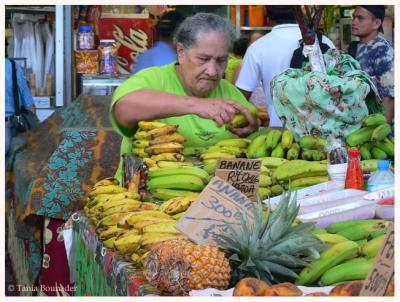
<point>354,152</point>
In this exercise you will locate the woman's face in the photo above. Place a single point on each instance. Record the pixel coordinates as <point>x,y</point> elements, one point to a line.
<point>202,66</point>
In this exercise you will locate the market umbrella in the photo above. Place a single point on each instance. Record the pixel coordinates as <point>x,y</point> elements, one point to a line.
<point>54,165</point>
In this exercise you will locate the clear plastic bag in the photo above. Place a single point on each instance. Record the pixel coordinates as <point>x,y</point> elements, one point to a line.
<point>337,154</point>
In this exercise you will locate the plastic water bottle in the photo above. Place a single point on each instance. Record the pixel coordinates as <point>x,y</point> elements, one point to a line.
<point>382,178</point>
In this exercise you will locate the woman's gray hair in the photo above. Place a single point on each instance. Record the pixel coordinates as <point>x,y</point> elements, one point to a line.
<point>188,30</point>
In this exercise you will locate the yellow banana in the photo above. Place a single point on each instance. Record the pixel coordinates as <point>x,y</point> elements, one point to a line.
<point>112,231</point>
<point>168,156</point>
<point>117,202</point>
<point>112,219</point>
<point>136,258</point>
<point>162,227</point>
<point>134,183</point>
<point>170,164</point>
<point>150,125</point>
<point>239,121</point>
<point>179,215</point>
<point>111,189</point>
<point>128,207</point>
<point>139,225</point>
<point>171,147</point>
<point>216,155</point>
<point>127,232</point>
<point>177,204</point>
<point>128,244</point>
<point>144,215</point>
<point>140,134</point>
<point>109,243</point>
<point>140,143</point>
<point>167,129</point>
<point>287,139</point>
<point>150,163</point>
<point>234,142</point>
<point>372,247</point>
<point>149,240</point>
<point>330,238</point>
<point>147,206</point>
<point>106,182</point>
<point>140,152</point>
<point>169,138</point>
<point>181,171</point>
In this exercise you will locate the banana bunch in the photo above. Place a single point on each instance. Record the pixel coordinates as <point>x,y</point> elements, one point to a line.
<point>157,138</point>
<point>184,178</point>
<point>352,248</point>
<point>240,121</point>
<point>178,204</point>
<point>374,138</point>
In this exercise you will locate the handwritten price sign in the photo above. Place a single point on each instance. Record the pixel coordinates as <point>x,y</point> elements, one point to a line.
<point>217,206</point>
<point>241,173</point>
<point>382,271</point>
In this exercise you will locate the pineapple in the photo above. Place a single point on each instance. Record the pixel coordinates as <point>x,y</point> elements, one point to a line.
<point>273,249</point>
<point>178,266</point>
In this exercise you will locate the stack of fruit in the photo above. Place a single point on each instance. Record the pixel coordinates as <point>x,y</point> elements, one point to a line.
<point>312,148</point>
<point>159,141</point>
<point>268,187</point>
<point>166,183</point>
<point>373,139</point>
<point>353,246</point>
<point>227,148</point>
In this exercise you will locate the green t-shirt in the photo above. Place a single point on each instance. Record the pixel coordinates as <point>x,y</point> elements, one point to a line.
<point>233,63</point>
<point>196,130</point>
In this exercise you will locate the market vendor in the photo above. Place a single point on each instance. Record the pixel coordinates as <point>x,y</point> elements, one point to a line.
<point>189,92</point>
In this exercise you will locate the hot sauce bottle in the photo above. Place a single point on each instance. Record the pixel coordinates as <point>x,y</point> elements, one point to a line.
<point>354,174</point>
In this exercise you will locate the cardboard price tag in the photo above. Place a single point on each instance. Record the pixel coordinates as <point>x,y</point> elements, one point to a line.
<point>243,174</point>
<point>217,206</point>
<point>382,271</point>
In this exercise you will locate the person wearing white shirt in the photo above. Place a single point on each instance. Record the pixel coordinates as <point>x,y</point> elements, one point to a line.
<point>271,55</point>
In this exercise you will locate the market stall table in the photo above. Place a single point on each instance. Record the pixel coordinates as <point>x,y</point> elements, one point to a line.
<point>51,169</point>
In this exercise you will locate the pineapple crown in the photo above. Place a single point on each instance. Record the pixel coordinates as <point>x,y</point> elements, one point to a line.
<point>273,249</point>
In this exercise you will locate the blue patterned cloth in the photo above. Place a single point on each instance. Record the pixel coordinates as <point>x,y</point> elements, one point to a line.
<point>377,59</point>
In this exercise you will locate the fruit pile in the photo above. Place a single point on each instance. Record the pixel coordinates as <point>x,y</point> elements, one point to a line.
<point>373,139</point>
<point>353,246</point>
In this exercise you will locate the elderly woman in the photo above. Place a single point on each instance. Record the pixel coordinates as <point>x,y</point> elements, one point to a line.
<point>189,92</point>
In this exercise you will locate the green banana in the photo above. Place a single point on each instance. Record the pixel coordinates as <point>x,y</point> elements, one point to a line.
<point>185,182</point>
<point>293,168</point>
<point>318,231</point>
<point>377,153</point>
<point>372,247</point>
<point>354,269</point>
<point>234,142</point>
<point>365,153</point>
<point>312,142</point>
<point>361,242</point>
<point>293,152</point>
<point>330,238</point>
<point>287,140</point>
<point>278,152</point>
<point>192,151</point>
<point>374,120</point>
<point>313,155</point>
<point>210,167</point>
<point>360,136</point>
<point>276,189</point>
<point>264,180</point>
<point>328,259</point>
<point>272,162</point>
<point>362,231</point>
<point>173,164</point>
<point>165,194</point>
<point>308,181</point>
<point>264,192</point>
<point>257,147</point>
<point>349,224</point>
<point>386,146</point>
<point>369,165</point>
<point>216,155</point>
<point>273,139</point>
<point>173,172</point>
<point>380,132</point>
<point>230,149</point>
<point>261,131</point>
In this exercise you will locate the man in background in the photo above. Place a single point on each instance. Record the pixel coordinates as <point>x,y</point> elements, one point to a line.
<point>374,52</point>
<point>163,51</point>
<point>271,54</point>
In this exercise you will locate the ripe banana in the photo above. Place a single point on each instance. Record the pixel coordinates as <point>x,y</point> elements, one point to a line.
<point>150,125</point>
<point>168,156</point>
<point>360,136</point>
<point>139,225</point>
<point>150,163</point>
<point>140,152</point>
<point>106,182</point>
<point>169,138</point>
<point>234,142</point>
<point>374,120</point>
<point>161,227</point>
<point>372,247</point>
<point>330,238</point>
<point>149,240</point>
<point>287,139</point>
<point>172,172</point>
<point>110,189</point>
<point>217,155</point>
<point>165,194</point>
<point>109,243</point>
<point>145,215</point>
<point>173,164</point>
<point>298,168</point>
<point>362,231</point>
<point>112,219</point>
<point>140,134</point>
<point>229,149</point>
<point>147,206</point>
<point>238,121</point>
<point>107,198</point>
<point>127,207</point>
<point>380,132</point>
<point>112,231</point>
<point>185,182</point>
<point>257,147</point>
<point>140,143</point>
<point>165,130</point>
<point>349,224</point>
<point>127,244</point>
<point>104,207</point>
<point>354,269</point>
<point>177,204</point>
<point>179,215</point>
<point>171,147</point>
<point>328,259</point>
